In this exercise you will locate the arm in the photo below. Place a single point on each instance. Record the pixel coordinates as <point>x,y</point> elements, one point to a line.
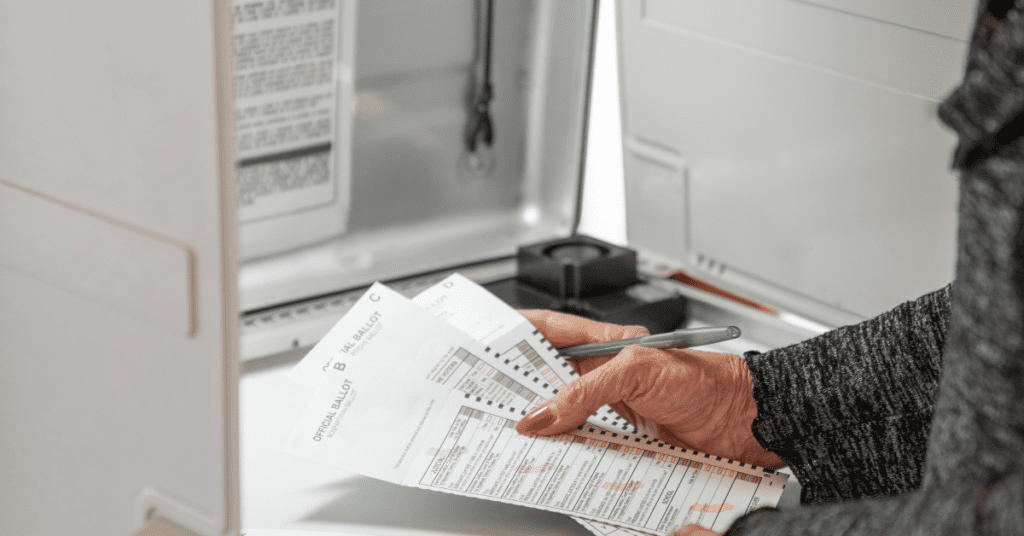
<point>992,507</point>
<point>849,411</point>
<point>973,478</point>
<point>816,399</point>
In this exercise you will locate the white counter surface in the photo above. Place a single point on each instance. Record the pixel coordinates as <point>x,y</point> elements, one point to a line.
<point>286,493</point>
<point>280,491</point>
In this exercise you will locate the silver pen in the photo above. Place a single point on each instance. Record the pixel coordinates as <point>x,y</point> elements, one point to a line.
<point>680,338</point>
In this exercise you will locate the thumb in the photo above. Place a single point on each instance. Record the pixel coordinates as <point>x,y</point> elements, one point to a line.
<point>572,405</point>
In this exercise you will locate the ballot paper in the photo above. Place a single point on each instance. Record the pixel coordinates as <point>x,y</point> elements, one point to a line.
<point>388,328</point>
<point>604,529</point>
<point>473,309</point>
<point>385,326</point>
<point>380,422</point>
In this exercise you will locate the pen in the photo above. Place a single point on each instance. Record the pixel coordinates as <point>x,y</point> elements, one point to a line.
<point>681,338</point>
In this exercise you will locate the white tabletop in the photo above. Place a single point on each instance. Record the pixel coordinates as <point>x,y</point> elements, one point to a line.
<point>283,492</point>
<point>280,491</point>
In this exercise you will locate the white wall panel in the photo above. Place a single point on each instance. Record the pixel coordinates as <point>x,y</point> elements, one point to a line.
<point>817,169</point>
<point>951,18</point>
<point>118,389</point>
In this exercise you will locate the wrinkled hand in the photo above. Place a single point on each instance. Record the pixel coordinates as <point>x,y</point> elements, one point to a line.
<point>698,400</point>
<point>695,530</point>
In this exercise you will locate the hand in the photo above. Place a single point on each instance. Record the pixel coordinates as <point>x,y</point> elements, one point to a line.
<point>697,400</point>
<point>695,530</point>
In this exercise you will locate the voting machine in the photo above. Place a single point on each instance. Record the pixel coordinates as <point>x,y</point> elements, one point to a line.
<point>192,193</point>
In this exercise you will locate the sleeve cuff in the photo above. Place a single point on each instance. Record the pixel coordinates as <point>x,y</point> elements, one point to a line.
<point>737,526</point>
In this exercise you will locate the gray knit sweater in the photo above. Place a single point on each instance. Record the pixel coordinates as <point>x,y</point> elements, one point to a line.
<point>913,422</point>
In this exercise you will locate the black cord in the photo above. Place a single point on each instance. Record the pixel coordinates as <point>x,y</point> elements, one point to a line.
<point>480,126</point>
<point>488,39</point>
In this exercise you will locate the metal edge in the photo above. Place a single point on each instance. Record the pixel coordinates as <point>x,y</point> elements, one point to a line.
<point>594,13</point>
<point>223,33</point>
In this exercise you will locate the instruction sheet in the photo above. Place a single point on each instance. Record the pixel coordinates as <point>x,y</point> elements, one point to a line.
<point>286,86</point>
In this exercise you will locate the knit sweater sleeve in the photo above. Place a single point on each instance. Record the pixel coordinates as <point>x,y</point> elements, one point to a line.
<point>849,411</point>
<point>861,399</point>
<point>991,507</point>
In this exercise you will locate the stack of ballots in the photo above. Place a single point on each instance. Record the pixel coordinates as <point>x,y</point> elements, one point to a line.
<point>427,392</point>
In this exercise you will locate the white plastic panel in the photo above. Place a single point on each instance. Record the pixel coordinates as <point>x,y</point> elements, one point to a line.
<point>840,44</point>
<point>85,254</point>
<point>113,107</point>
<point>656,203</point>
<point>817,170</point>
<point>951,18</point>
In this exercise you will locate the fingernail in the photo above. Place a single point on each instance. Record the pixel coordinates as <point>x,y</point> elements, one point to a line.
<point>536,421</point>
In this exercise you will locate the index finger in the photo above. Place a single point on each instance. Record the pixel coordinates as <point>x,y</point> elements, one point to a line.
<point>563,330</point>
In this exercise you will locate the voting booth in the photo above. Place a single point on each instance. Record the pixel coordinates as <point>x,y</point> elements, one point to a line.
<point>192,193</point>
